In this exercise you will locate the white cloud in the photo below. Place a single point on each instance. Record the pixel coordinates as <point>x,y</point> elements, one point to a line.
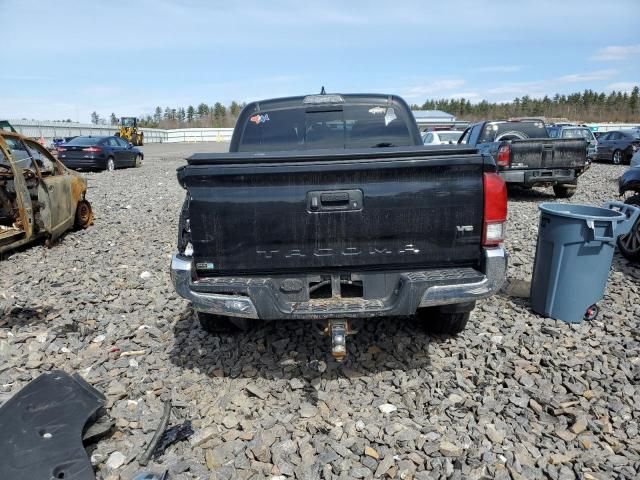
<point>508,91</point>
<point>465,95</point>
<point>450,88</point>
<point>41,108</point>
<point>103,90</point>
<point>435,87</point>
<point>549,86</point>
<point>223,51</point>
<point>587,77</point>
<point>623,86</point>
<point>516,88</point>
<point>500,69</point>
<point>616,52</point>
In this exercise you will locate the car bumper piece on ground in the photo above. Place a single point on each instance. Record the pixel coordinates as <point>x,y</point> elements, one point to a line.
<point>262,297</point>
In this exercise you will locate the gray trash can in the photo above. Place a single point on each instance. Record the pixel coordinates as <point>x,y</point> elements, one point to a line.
<point>573,256</point>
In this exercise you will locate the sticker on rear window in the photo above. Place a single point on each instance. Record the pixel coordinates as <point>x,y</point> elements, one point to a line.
<point>390,116</point>
<point>376,110</point>
<point>258,119</point>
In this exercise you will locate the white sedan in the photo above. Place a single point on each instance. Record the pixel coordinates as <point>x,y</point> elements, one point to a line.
<point>443,137</point>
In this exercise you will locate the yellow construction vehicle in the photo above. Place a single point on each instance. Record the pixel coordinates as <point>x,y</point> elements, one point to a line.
<point>129,131</point>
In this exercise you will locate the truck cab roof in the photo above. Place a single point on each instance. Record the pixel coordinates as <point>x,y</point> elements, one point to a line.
<point>322,99</point>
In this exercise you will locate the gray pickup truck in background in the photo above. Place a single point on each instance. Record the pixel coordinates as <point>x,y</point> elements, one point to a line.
<point>527,156</point>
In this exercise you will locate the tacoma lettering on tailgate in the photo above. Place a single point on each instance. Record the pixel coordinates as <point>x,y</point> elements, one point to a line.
<point>331,252</point>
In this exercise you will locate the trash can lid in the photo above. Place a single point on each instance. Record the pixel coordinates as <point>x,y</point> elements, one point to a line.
<point>586,212</point>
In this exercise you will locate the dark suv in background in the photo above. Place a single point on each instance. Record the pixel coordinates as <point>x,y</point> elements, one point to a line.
<point>99,153</point>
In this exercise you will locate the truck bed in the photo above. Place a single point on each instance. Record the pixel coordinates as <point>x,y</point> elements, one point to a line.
<point>235,158</point>
<point>405,208</point>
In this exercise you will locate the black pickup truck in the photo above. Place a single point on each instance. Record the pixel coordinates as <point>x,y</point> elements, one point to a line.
<point>527,156</point>
<point>328,207</point>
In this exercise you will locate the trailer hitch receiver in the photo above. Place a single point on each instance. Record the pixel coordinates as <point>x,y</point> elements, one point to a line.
<point>338,331</point>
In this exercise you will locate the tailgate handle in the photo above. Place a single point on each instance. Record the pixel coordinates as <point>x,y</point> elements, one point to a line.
<point>337,200</point>
<point>334,199</point>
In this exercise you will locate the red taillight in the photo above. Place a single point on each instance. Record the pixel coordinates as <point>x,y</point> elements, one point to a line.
<point>92,149</point>
<point>495,210</point>
<point>504,152</point>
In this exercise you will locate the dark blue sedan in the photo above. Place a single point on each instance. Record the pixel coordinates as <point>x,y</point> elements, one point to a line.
<point>618,146</point>
<point>99,153</point>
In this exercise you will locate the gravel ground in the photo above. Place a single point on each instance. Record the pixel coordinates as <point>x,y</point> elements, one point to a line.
<point>514,396</point>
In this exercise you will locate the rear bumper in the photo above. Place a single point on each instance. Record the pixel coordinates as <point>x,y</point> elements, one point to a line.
<point>84,163</point>
<point>263,297</point>
<point>539,176</point>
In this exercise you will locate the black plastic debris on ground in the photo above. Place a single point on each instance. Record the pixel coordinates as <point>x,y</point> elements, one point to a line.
<point>42,427</point>
<point>172,435</point>
<point>100,428</point>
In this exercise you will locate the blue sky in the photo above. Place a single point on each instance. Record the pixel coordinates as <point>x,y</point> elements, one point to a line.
<point>66,58</point>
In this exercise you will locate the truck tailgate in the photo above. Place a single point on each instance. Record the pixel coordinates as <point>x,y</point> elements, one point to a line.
<point>548,153</point>
<point>409,211</point>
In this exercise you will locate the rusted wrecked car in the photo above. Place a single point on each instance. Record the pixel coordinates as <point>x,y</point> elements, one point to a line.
<point>39,196</point>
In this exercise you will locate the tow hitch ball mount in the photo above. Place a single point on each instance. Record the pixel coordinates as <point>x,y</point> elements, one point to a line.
<point>338,331</point>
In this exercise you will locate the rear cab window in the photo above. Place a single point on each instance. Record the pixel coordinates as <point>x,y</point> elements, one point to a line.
<point>318,126</point>
<point>502,131</point>
<point>584,133</point>
<point>84,141</point>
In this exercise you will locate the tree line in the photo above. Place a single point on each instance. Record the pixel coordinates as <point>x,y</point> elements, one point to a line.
<point>217,115</point>
<point>587,106</point>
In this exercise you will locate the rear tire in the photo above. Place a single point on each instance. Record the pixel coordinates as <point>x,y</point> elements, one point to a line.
<point>111,165</point>
<point>213,323</point>
<point>617,157</point>
<point>629,245</point>
<point>445,320</point>
<point>564,191</point>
